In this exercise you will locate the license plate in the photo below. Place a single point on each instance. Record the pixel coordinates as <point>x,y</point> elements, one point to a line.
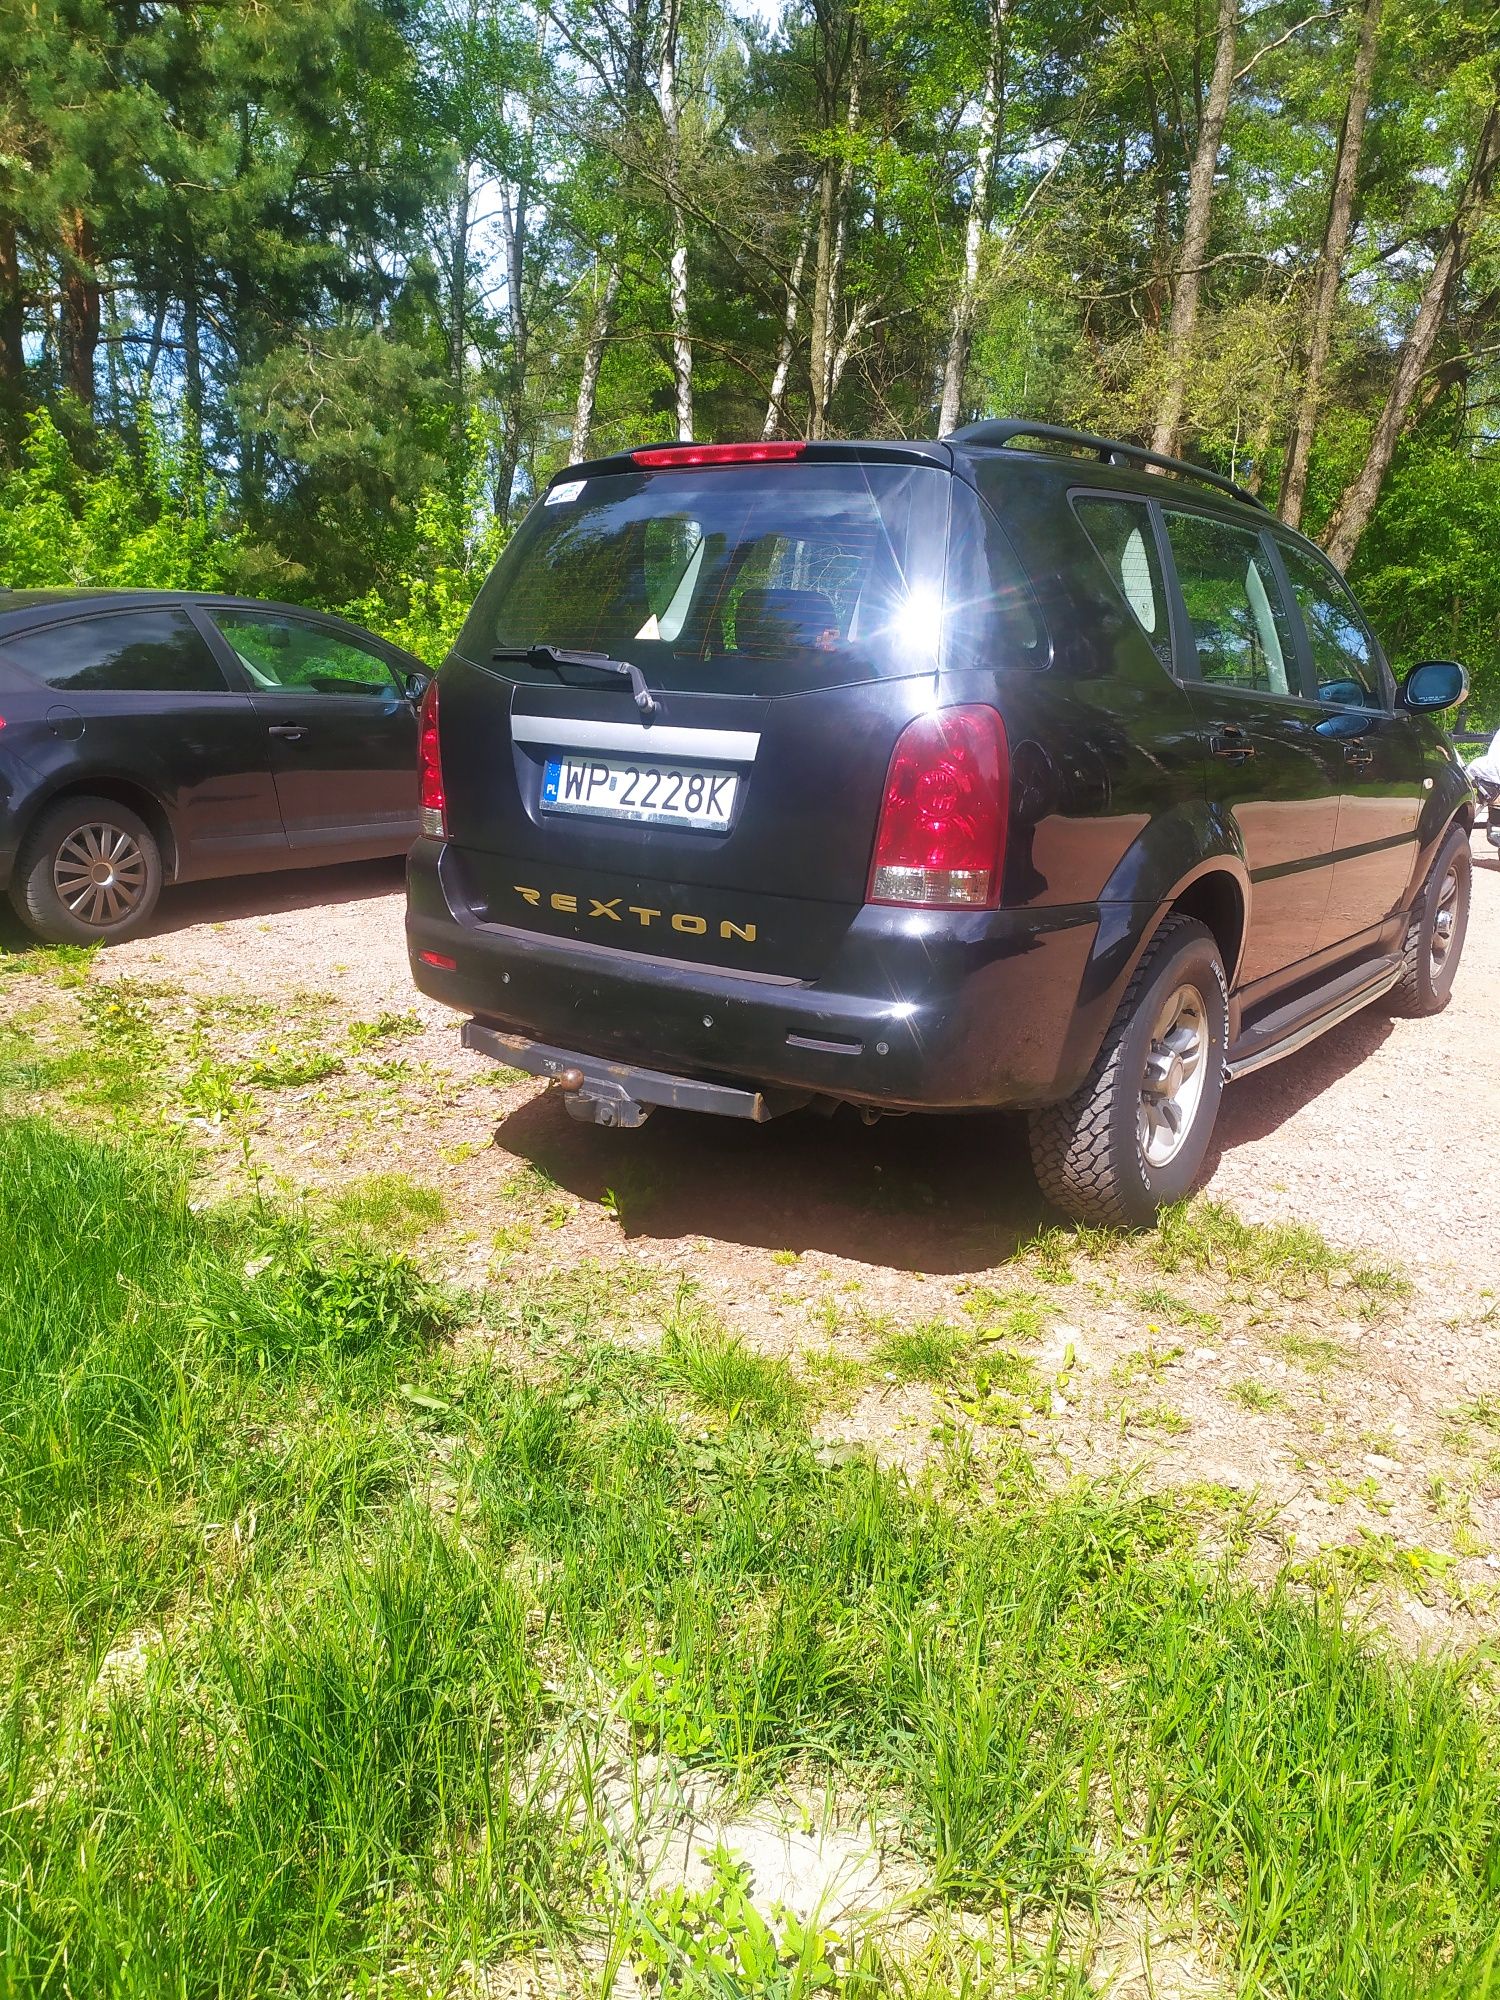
<point>658,794</point>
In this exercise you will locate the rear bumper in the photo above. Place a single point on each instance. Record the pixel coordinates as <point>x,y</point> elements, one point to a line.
<point>917,1010</point>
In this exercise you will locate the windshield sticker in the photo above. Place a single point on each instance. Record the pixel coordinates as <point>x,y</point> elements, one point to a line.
<point>570,489</point>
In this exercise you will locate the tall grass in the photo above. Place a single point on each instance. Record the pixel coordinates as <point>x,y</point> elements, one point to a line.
<point>326,1758</point>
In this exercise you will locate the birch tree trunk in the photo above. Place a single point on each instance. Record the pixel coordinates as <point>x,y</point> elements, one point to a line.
<point>777,396</point>
<point>458,296</point>
<point>818,337</point>
<point>1331,265</point>
<point>961,336</point>
<point>841,231</point>
<point>1183,323</point>
<point>682,346</point>
<point>1352,515</point>
<point>593,353</point>
<point>834,190</point>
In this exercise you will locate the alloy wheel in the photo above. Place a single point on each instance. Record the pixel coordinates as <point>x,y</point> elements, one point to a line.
<point>100,874</point>
<point>1176,1065</point>
<point>1444,921</point>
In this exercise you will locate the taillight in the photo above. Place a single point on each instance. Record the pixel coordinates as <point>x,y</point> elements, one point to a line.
<point>430,768</point>
<point>660,456</point>
<point>941,840</point>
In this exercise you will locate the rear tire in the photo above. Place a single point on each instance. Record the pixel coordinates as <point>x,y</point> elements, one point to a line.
<point>1133,1135</point>
<point>89,872</point>
<point>1435,935</point>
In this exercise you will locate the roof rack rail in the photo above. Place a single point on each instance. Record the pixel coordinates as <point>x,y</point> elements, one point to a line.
<point>999,431</point>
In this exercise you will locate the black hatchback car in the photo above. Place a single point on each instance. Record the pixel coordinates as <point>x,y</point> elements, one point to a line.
<point>150,737</point>
<point>1022,769</point>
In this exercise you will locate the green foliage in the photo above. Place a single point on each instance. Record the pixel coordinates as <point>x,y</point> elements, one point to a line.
<point>145,515</point>
<point>367,254</point>
<point>1425,568</point>
<point>454,541</point>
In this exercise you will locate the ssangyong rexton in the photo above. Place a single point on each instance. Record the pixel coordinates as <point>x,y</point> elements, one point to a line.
<point>929,777</point>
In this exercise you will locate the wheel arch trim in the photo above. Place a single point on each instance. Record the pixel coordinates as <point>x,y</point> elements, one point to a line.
<point>122,791</point>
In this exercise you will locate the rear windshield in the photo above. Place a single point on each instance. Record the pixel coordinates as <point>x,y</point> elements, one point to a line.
<point>832,571</point>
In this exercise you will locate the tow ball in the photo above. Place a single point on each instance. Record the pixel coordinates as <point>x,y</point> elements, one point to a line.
<point>595,1100</point>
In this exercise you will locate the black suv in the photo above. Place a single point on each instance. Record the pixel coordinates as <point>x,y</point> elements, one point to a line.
<point>929,777</point>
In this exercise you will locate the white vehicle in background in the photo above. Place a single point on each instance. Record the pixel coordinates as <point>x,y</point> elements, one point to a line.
<point>1484,772</point>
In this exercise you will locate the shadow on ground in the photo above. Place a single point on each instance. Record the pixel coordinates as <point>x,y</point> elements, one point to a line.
<point>942,1195</point>
<point>234,898</point>
<point>916,1194</point>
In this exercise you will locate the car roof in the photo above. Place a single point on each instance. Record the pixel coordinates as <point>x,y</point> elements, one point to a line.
<point>1079,457</point>
<point>20,608</point>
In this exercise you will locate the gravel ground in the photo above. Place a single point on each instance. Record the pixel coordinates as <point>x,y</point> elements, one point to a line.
<point>1378,1134</point>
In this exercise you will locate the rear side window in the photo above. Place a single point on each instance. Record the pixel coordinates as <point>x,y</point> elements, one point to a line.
<point>1239,623</point>
<point>278,652</point>
<point>123,652</point>
<point>1121,532</point>
<point>1346,665</point>
<point>818,566</point>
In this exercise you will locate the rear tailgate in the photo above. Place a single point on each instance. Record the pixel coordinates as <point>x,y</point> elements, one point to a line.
<point>791,615</point>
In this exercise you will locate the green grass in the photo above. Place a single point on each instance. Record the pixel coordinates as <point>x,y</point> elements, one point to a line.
<point>1207,1237</point>
<point>356,1743</point>
<point>66,965</point>
<point>723,1375</point>
<point>930,1352</point>
<point>389,1208</point>
<point>386,1026</point>
<point>289,1069</point>
<point>1252,1395</point>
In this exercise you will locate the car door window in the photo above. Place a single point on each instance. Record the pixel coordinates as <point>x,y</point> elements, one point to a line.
<point>1122,535</point>
<point>1239,623</point>
<point>301,657</point>
<point>1346,661</point>
<point>120,652</point>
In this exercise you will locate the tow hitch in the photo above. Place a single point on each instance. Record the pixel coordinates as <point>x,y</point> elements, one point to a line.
<point>599,1100</point>
<point>620,1094</point>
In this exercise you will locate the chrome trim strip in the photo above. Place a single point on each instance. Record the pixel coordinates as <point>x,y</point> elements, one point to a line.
<point>1310,1030</point>
<point>571,732</point>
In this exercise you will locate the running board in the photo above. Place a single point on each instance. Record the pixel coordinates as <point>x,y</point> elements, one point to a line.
<point>1293,1026</point>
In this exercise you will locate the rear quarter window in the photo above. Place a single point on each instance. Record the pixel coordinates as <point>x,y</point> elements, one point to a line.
<point>121,652</point>
<point>991,616</point>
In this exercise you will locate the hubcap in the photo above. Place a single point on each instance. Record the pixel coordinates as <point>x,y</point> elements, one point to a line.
<point>1176,1066</point>
<point>99,874</point>
<point>1444,921</point>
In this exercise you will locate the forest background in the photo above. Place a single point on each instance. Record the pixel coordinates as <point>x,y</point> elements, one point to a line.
<point>307,299</point>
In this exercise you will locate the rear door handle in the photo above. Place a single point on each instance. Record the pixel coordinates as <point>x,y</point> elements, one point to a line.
<point>1232,744</point>
<point>289,732</point>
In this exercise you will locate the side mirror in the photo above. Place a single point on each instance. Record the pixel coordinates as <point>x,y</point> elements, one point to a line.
<point>417,684</point>
<point>1433,685</point>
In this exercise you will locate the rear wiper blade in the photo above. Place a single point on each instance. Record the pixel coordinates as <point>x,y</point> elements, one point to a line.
<point>565,656</point>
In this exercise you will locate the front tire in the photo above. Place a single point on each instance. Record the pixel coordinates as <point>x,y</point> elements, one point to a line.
<point>1133,1136</point>
<point>89,872</point>
<point>1435,935</point>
